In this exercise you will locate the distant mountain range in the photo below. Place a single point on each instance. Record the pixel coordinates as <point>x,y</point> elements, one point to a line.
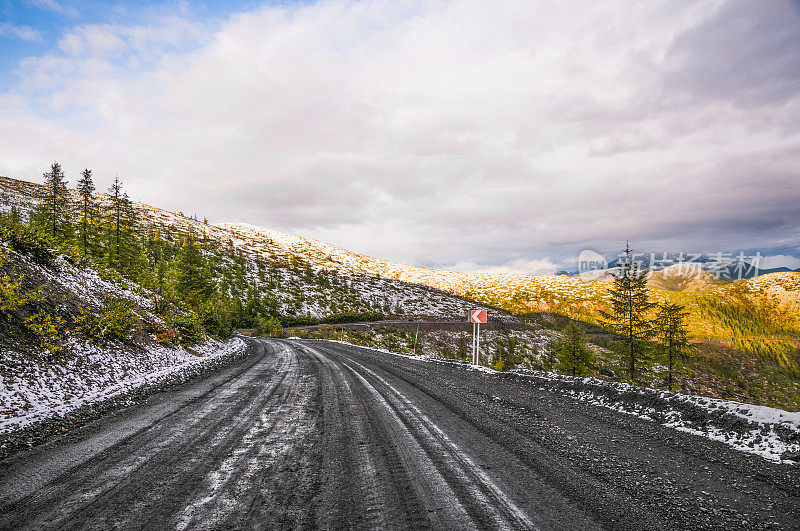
<point>725,267</point>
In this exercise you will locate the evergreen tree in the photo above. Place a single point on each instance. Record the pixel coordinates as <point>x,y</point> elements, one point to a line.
<point>127,213</point>
<point>629,308</point>
<point>252,307</point>
<point>461,353</point>
<point>216,316</point>
<point>505,354</point>
<point>114,223</point>
<point>549,355</point>
<point>498,359</point>
<point>672,335</point>
<point>131,253</point>
<point>160,287</point>
<point>575,358</point>
<point>194,282</point>
<point>55,199</point>
<point>154,247</point>
<point>87,208</point>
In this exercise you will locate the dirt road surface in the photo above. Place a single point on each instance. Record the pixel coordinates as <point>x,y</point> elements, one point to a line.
<point>320,434</point>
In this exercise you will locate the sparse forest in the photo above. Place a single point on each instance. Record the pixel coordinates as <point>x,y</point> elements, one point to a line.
<point>197,286</point>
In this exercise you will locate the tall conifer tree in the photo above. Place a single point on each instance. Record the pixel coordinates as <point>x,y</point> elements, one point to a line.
<point>131,255</point>
<point>194,282</point>
<point>55,199</point>
<point>87,208</point>
<point>672,335</point>
<point>630,305</point>
<point>115,218</point>
<point>575,358</point>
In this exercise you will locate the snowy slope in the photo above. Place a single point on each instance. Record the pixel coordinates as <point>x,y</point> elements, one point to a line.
<point>36,385</point>
<point>365,287</point>
<point>31,392</point>
<point>482,285</point>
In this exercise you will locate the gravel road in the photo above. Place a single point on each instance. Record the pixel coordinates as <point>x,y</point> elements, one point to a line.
<point>319,434</point>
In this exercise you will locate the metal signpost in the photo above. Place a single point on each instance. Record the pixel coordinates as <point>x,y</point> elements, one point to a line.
<point>476,317</point>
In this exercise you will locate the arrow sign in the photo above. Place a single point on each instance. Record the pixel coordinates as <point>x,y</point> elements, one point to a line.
<point>477,316</point>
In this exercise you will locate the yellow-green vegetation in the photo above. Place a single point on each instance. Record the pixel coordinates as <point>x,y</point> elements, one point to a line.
<point>48,330</point>
<point>755,314</point>
<point>671,334</point>
<point>505,356</point>
<point>717,370</point>
<point>744,336</point>
<point>268,326</point>
<point>85,324</point>
<point>12,294</point>
<point>116,320</point>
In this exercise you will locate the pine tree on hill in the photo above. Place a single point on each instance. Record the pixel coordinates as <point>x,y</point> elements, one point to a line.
<point>128,213</point>
<point>55,198</point>
<point>630,306</point>
<point>195,283</point>
<point>575,358</point>
<point>505,357</point>
<point>461,353</point>
<point>132,258</point>
<point>87,207</point>
<point>115,218</point>
<point>672,335</point>
<point>153,247</point>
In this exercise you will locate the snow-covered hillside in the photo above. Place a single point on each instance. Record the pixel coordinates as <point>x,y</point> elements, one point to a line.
<point>39,383</point>
<point>293,262</point>
<point>542,289</point>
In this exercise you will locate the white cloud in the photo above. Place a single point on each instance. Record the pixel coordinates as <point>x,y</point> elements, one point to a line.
<point>54,6</point>
<point>91,40</point>
<point>24,33</point>
<point>443,131</point>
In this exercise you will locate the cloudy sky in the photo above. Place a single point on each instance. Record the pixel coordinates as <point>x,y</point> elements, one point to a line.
<point>468,134</point>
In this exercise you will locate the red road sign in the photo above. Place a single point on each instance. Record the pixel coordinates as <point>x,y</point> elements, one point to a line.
<point>477,316</point>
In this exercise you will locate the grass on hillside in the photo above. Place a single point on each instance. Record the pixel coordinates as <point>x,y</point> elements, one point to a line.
<point>756,371</point>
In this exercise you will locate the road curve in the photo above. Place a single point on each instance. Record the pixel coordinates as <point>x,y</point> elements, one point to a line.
<point>319,434</point>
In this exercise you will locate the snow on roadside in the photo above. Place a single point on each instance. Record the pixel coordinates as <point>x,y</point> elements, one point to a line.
<point>771,433</point>
<point>768,432</point>
<point>31,392</point>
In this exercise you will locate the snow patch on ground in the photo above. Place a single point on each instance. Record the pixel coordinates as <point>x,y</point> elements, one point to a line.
<point>32,391</point>
<point>768,432</point>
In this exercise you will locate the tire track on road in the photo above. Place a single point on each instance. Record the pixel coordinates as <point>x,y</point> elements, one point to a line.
<point>483,490</point>
<point>465,496</point>
<point>159,461</point>
<point>231,490</point>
